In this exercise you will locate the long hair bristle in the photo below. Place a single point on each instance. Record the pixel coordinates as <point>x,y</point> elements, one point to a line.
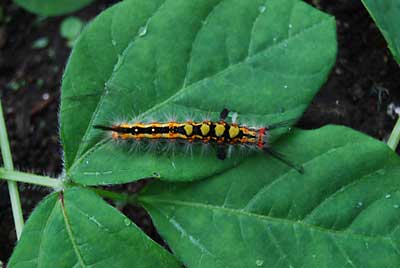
<point>279,156</point>
<point>106,128</point>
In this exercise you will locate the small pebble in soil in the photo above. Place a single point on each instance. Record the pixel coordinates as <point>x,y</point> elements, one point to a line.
<point>392,110</point>
<point>338,71</point>
<point>40,43</point>
<point>46,96</point>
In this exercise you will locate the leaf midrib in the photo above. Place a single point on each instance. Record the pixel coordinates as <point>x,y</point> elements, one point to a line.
<point>237,212</point>
<point>71,235</point>
<point>182,89</point>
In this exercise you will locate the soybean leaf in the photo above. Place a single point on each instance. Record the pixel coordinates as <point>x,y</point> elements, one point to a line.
<point>78,229</point>
<point>343,212</point>
<point>52,7</point>
<point>264,60</point>
<point>386,14</point>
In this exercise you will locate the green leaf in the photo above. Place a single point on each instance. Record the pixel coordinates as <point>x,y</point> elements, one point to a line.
<point>71,27</point>
<point>78,229</point>
<point>263,60</point>
<point>386,14</point>
<point>343,212</point>
<point>52,7</point>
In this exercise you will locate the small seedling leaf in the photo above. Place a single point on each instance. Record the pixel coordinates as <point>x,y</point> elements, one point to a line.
<point>40,43</point>
<point>71,27</point>
<point>344,211</point>
<point>79,229</point>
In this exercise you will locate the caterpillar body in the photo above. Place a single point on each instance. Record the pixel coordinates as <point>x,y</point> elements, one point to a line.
<point>220,133</point>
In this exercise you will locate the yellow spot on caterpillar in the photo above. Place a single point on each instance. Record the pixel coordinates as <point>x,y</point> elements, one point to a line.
<point>233,131</point>
<point>188,129</point>
<point>204,129</point>
<point>219,130</point>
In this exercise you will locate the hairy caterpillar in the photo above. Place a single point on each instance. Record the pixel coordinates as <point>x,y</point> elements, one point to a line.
<point>220,133</point>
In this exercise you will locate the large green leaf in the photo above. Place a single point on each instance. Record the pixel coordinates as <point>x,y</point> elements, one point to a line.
<point>78,229</point>
<point>386,14</point>
<point>343,212</point>
<point>52,7</point>
<point>264,60</point>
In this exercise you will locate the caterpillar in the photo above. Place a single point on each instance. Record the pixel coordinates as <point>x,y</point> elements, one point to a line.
<point>220,133</point>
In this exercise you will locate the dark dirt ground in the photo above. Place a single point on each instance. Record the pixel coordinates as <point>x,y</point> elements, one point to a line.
<point>363,83</point>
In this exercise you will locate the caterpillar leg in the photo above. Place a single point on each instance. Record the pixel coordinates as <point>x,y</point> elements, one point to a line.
<point>224,114</point>
<point>221,152</point>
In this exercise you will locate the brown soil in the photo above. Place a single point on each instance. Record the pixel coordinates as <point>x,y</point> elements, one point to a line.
<point>364,81</point>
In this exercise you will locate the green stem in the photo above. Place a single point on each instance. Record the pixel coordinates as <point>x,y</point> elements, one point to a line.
<point>395,136</point>
<point>17,176</point>
<point>12,186</point>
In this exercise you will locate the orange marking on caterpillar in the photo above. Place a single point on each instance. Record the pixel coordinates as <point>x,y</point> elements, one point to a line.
<point>219,132</point>
<point>261,134</point>
<point>206,131</point>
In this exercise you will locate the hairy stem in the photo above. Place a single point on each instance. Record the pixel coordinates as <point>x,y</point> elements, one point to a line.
<point>17,176</point>
<point>12,185</point>
<point>394,136</point>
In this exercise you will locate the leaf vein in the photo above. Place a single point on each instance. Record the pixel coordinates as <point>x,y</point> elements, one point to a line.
<point>283,176</point>
<point>42,232</point>
<point>221,73</point>
<point>105,91</point>
<point>71,237</point>
<point>237,212</point>
<point>190,61</point>
<point>249,50</point>
<point>343,252</point>
<point>339,190</point>
<point>278,247</point>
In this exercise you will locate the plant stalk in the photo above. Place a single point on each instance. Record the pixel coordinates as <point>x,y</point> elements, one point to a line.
<point>394,136</point>
<point>12,185</point>
<point>17,176</point>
